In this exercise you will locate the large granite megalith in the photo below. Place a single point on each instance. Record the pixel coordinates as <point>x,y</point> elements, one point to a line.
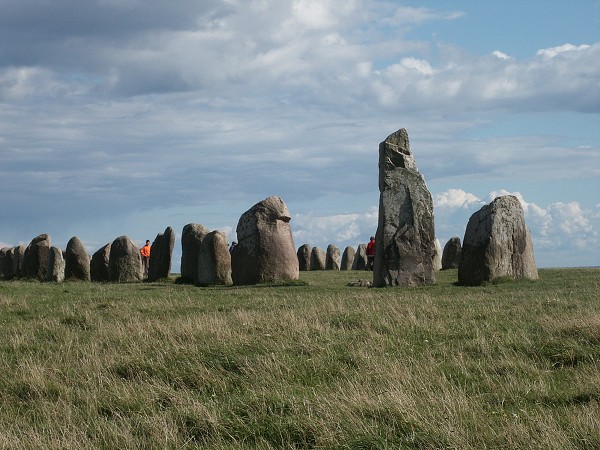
<point>347,258</point>
<point>160,255</point>
<point>99,264</point>
<point>332,258</point>
<point>77,261</point>
<point>191,240</point>
<point>214,260</point>
<point>265,251</point>
<point>55,265</point>
<point>360,258</point>
<point>318,258</point>
<point>451,254</point>
<point>124,261</point>
<point>497,244</point>
<point>303,253</point>
<point>35,259</point>
<point>405,238</point>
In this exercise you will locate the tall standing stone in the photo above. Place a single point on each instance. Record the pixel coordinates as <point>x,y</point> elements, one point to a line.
<point>405,238</point>
<point>77,261</point>
<point>124,261</point>
<point>332,258</point>
<point>214,260</point>
<point>318,258</point>
<point>303,254</point>
<point>265,251</point>
<point>451,254</point>
<point>497,244</point>
<point>191,240</point>
<point>5,272</point>
<point>161,254</point>
<point>55,270</point>
<point>19,254</point>
<point>99,264</point>
<point>347,258</point>
<point>360,258</point>
<point>35,259</point>
<point>437,256</point>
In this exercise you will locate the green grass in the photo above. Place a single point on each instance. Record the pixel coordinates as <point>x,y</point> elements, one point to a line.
<point>312,364</point>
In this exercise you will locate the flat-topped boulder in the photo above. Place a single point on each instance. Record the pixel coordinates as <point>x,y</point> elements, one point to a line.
<point>497,244</point>
<point>405,238</point>
<point>265,251</point>
<point>55,268</point>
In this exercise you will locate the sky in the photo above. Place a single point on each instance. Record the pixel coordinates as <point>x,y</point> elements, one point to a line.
<point>125,117</point>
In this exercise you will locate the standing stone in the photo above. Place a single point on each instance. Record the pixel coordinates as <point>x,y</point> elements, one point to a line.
<point>19,254</point>
<point>318,259</point>
<point>77,261</point>
<point>99,264</point>
<point>214,260</point>
<point>124,261</point>
<point>451,254</point>
<point>55,270</point>
<point>265,251</point>
<point>35,259</point>
<point>332,258</point>
<point>303,254</point>
<point>360,258</point>
<point>348,258</point>
<point>437,256</point>
<point>405,238</point>
<point>191,240</point>
<point>4,258</point>
<point>497,244</point>
<point>160,255</point>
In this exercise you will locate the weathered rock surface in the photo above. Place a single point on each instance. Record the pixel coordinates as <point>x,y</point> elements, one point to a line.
<point>55,270</point>
<point>161,254</point>
<point>405,238</point>
<point>360,258</point>
<point>6,267</point>
<point>214,260</point>
<point>124,261</point>
<point>497,244</point>
<point>318,259</point>
<point>347,258</point>
<point>265,251</point>
<point>35,259</point>
<point>451,254</point>
<point>18,255</point>
<point>191,240</point>
<point>437,256</point>
<point>99,264</point>
<point>332,258</point>
<point>304,252</point>
<point>77,261</point>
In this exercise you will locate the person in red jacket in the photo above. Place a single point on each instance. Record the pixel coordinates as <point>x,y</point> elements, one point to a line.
<point>370,253</point>
<point>145,252</point>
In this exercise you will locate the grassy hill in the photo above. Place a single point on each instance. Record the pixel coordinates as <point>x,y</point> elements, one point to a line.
<point>315,364</point>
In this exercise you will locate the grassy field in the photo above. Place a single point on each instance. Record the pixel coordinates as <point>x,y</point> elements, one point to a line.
<point>316,364</point>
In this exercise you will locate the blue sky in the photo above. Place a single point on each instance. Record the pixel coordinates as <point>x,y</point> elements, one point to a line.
<point>125,117</point>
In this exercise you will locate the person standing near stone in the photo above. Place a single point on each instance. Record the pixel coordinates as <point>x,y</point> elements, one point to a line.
<point>145,252</point>
<point>370,253</point>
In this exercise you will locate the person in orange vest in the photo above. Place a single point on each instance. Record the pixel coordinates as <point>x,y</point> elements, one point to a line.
<point>145,252</point>
<point>370,253</point>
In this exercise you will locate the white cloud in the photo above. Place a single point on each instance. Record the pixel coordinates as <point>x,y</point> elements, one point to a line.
<point>456,198</point>
<point>501,55</point>
<point>555,51</point>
